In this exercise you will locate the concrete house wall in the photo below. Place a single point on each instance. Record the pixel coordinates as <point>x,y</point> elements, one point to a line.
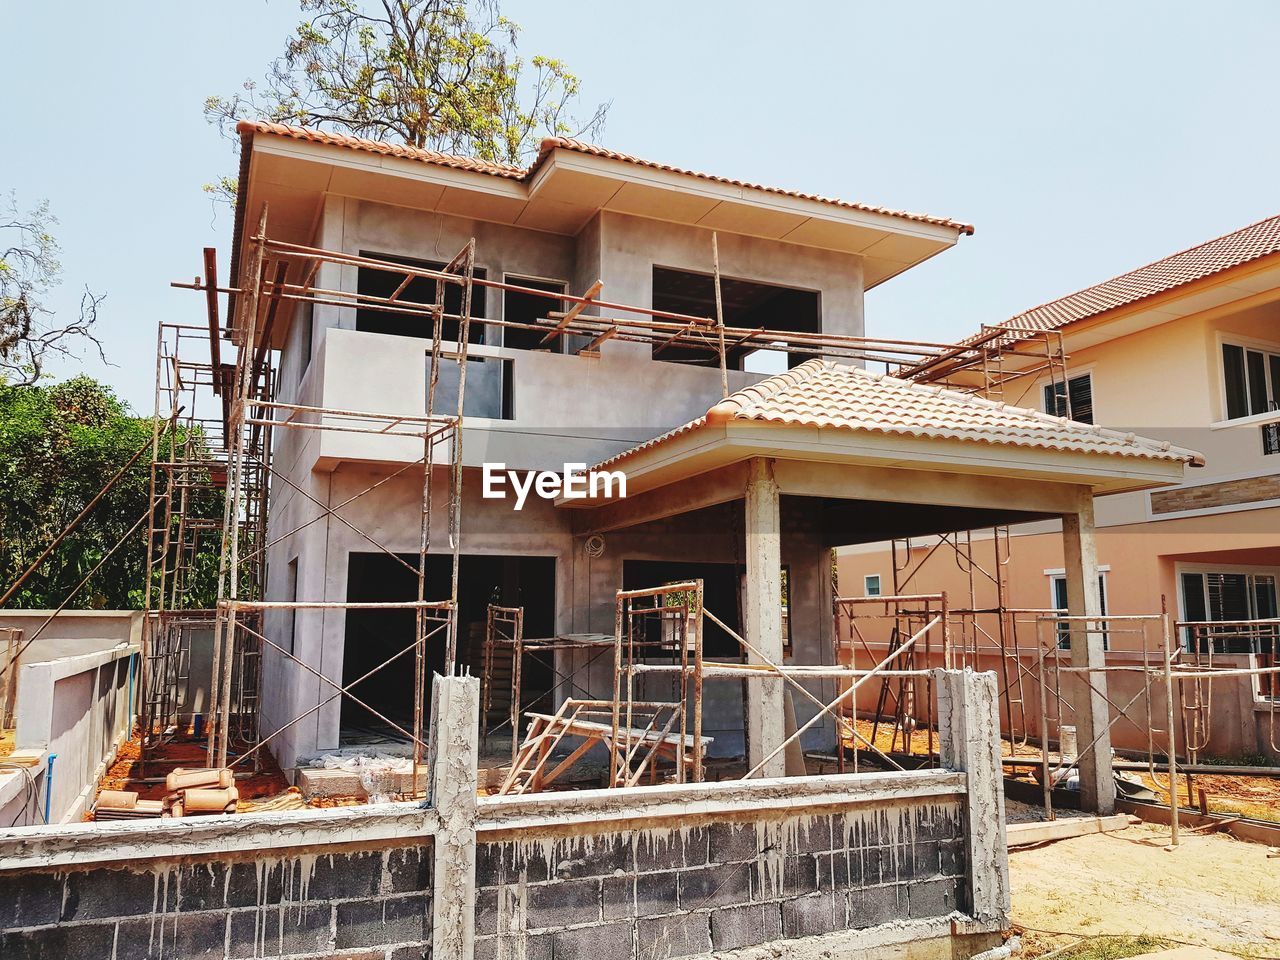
<point>567,408</point>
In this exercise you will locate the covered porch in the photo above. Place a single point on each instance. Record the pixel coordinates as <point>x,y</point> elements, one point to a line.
<point>829,454</point>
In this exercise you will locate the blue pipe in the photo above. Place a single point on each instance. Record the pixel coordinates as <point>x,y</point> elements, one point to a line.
<point>132,712</point>
<point>48,787</point>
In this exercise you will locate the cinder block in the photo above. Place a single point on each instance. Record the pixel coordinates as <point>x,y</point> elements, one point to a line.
<point>833,870</point>
<point>813,915</point>
<point>926,860</point>
<point>679,935</point>
<point>101,893</point>
<point>561,902</point>
<point>281,930</point>
<point>199,886</point>
<point>192,936</point>
<point>732,842</point>
<point>872,906</point>
<point>487,912</point>
<point>338,876</point>
<point>30,899</point>
<point>318,783</point>
<point>933,898</point>
<point>952,858</point>
<point>600,856</point>
<point>408,869</point>
<point>510,862</point>
<point>610,940</point>
<point>812,835</point>
<point>745,926</point>
<point>794,876</point>
<point>618,897</point>
<point>77,940</point>
<point>657,893</point>
<point>363,923</point>
<point>726,883</point>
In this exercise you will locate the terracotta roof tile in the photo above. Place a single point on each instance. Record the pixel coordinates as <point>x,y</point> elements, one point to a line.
<point>1231,250</point>
<point>820,393</point>
<point>247,128</point>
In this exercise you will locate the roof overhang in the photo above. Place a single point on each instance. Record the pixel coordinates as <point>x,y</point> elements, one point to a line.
<point>875,462</point>
<point>562,192</point>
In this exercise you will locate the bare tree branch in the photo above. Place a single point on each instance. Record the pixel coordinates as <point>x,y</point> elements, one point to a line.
<point>30,332</point>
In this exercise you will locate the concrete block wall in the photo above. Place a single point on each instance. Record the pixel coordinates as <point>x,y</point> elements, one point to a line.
<point>692,890</point>
<point>373,903</point>
<point>873,860</point>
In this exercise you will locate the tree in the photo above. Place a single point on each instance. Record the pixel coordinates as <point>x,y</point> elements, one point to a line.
<point>437,74</point>
<point>59,445</point>
<point>29,269</point>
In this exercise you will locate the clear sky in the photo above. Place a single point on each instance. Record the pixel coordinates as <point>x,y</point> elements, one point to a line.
<point>1081,139</point>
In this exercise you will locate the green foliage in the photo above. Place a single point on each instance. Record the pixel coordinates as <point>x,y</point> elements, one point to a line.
<point>438,74</point>
<point>59,445</point>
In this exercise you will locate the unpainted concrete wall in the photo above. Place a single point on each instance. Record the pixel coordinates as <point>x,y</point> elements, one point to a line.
<point>79,709</point>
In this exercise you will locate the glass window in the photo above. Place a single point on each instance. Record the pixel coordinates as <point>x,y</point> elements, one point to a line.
<point>1059,585</point>
<point>1251,379</point>
<point>1073,399</point>
<point>1224,596</point>
<point>871,585</point>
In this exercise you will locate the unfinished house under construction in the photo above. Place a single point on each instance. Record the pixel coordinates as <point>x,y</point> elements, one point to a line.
<point>540,471</point>
<point>599,315</point>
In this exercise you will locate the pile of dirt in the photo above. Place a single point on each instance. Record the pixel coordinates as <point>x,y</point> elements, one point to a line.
<point>1212,890</point>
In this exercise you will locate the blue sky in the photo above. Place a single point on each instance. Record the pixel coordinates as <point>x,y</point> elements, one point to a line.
<point>1081,140</point>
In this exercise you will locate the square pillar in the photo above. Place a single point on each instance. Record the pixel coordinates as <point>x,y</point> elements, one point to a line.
<point>969,740</point>
<point>451,766</point>
<point>1088,691</point>
<point>762,608</point>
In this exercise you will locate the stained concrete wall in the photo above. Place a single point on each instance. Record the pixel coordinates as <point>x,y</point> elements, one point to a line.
<point>566,409</point>
<point>872,862</point>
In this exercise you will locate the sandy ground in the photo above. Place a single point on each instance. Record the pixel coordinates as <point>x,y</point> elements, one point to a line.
<point>1213,890</point>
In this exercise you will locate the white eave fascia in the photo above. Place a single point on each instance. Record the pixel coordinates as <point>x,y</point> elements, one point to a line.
<point>687,183</point>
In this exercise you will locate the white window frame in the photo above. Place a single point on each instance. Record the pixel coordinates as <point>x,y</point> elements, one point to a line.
<point>1104,592</point>
<point>866,585</point>
<point>1224,339</point>
<point>1245,569</point>
<point>1084,370</point>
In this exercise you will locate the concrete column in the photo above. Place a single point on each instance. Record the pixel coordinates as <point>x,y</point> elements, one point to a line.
<point>762,606</point>
<point>969,740</point>
<point>1088,691</point>
<point>451,760</point>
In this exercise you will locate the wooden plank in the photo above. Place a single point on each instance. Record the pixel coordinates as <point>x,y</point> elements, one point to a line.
<point>1024,834</point>
<point>569,315</point>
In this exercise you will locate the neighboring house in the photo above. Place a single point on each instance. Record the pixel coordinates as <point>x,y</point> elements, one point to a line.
<point>1186,349</point>
<point>746,492</point>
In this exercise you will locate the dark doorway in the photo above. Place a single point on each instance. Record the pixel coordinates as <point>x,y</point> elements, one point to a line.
<point>719,595</point>
<point>384,283</point>
<point>373,636</point>
<point>747,303</point>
